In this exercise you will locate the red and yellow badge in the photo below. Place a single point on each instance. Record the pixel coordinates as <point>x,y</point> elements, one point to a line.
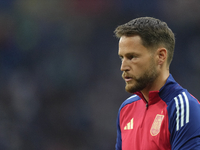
<point>155,128</point>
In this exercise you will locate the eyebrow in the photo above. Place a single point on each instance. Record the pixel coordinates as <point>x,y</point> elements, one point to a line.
<point>129,54</point>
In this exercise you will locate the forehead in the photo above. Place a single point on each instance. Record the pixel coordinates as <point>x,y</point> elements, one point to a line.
<point>131,44</point>
<point>130,39</point>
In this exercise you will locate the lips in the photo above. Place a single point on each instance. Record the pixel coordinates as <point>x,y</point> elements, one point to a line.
<point>126,77</point>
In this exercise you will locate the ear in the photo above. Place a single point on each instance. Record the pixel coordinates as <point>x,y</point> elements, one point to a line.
<point>161,56</point>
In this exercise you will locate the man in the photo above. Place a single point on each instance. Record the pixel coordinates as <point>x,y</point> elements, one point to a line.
<point>161,115</point>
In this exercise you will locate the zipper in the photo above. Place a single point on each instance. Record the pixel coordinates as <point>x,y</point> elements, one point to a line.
<point>146,108</point>
<point>147,105</point>
<point>144,116</point>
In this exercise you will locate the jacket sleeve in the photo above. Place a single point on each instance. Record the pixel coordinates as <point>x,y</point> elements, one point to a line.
<point>118,145</point>
<point>184,122</point>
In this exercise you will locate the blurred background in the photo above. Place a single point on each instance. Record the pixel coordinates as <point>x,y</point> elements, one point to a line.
<point>60,78</point>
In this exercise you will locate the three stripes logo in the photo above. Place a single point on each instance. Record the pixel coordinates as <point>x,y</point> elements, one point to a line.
<point>182,110</point>
<point>129,125</point>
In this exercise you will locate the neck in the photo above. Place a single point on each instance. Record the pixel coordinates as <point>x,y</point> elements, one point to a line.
<point>156,85</point>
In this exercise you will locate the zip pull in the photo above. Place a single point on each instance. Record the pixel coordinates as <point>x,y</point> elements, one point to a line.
<point>147,105</point>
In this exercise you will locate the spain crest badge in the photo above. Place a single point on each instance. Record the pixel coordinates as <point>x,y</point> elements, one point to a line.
<point>155,128</point>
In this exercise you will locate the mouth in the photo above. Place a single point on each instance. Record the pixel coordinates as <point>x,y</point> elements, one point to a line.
<point>127,79</point>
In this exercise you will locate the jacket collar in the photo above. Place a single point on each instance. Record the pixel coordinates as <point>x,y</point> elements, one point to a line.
<point>155,96</point>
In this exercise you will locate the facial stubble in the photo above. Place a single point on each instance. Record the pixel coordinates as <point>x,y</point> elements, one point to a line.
<point>144,80</point>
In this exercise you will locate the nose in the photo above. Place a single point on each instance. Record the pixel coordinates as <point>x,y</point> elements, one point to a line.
<point>124,66</point>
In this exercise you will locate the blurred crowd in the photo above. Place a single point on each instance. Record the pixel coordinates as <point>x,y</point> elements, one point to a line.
<point>60,75</point>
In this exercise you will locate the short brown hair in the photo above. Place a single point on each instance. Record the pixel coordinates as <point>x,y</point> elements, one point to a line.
<point>153,33</point>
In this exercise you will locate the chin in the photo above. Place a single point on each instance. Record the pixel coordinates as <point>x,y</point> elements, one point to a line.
<point>130,89</point>
<point>134,88</point>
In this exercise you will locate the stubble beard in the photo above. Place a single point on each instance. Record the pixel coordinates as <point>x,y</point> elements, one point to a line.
<point>143,81</point>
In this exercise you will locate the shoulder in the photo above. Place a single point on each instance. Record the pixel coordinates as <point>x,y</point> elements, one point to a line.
<point>130,100</point>
<point>183,109</point>
<point>184,98</point>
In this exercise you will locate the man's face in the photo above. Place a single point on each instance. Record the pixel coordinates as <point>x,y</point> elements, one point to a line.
<point>138,64</point>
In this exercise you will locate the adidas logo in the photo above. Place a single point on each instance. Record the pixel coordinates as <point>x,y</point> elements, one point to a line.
<point>129,125</point>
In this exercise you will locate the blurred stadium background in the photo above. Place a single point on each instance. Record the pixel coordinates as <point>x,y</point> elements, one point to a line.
<point>61,86</point>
